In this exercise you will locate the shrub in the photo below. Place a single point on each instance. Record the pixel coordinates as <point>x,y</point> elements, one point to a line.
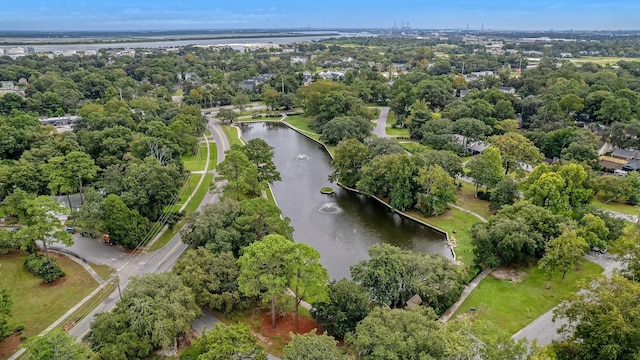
<point>484,195</point>
<point>19,328</point>
<point>43,268</point>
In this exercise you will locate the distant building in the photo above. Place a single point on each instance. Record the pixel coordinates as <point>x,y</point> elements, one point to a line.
<point>507,89</point>
<point>307,77</point>
<point>566,55</point>
<point>331,75</point>
<point>23,81</point>
<point>60,120</point>
<point>252,83</point>
<point>299,59</point>
<point>626,154</point>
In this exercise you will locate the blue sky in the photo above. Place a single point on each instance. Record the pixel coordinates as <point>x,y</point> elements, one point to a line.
<point>228,14</point>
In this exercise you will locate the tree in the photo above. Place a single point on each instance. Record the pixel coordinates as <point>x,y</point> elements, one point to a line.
<point>436,191</point>
<point>56,344</point>
<point>6,311</point>
<point>270,96</point>
<point>571,103</point>
<point>549,192</point>
<point>313,347</point>
<point>392,276</point>
<point>213,278</point>
<point>390,176</point>
<point>398,334</point>
<point>348,158</point>
<point>226,342</point>
<point>562,254</point>
<point>602,321</point>
<point>240,101</point>
<point>124,226</point>
<point>381,146</point>
<point>505,193</point>
<point>230,225</point>
<point>594,231</point>
<point>264,270</point>
<point>227,115</point>
<point>261,155</point>
<point>241,176</point>
<point>615,109</point>
<point>345,127</point>
<point>155,311</point>
<point>613,187</point>
<point>41,222</point>
<point>91,213</point>
<point>447,160</point>
<point>633,183</point>
<point>80,166</point>
<point>515,149</point>
<point>472,129</point>
<point>308,277</point>
<point>347,305</point>
<point>486,169</point>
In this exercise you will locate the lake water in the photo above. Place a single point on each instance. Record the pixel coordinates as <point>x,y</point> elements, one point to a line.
<point>341,226</point>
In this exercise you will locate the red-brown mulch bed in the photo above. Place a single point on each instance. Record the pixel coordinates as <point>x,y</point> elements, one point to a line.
<point>287,324</point>
<point>9,345</point>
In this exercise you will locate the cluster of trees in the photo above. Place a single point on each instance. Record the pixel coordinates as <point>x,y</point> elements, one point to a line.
<point>380,168</point>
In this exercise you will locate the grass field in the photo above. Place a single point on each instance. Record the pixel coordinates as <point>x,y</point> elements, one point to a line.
<point>232,135</point>
<point>104,271</point>
<point>35,304</point>
<point>602,60</point>
<point>512,305</point>
<point>302,123</point>
<point>458,224</point>
<point>616,206</point>
<point>193,205</point>
<point>466,198</point>
<point>397,131</point>
<point>410,146</point>
<point>196,162</point>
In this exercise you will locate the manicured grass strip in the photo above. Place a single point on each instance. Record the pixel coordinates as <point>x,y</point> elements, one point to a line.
<point>104,271</point>
<point>410,146</point>
<point>616,206</point>
<point>513,305</point>
<point>460,222</point>
<point>397,131</point>
<point>196,162</point>
<point>193,205</point>
<point>87,307</point>
<point>300,122</point>
<point>213,155</point>
<point>35,304</point>
<point>466,199</point>
<point>199,195</point>
<point>232,135</point>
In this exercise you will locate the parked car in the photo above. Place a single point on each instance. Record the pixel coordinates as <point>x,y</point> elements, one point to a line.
<point>70,230</point>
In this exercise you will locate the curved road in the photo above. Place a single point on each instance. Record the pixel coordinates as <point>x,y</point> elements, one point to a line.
<point>156,262</point>
<point>381,124</point>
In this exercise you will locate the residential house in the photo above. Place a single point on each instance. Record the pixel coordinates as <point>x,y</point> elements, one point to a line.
<point>252,83</point>
<point>23,81</point>
<point>470,146</point>
<point>307,77</point>
<point>507,89</point>
<point>626,154</point>
<point>299,59</point>
<point>331,75</point>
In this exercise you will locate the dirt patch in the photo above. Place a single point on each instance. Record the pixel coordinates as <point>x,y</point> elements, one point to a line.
<point>286,324</point>
<point>9,345</point>
<point>507,274</point>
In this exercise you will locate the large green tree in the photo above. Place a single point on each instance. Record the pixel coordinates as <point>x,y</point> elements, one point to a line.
<point>124,226</point>
<point>56,344</point>
<point>436,191</point>
<point>308,277</point>
<point>226,342</point>
<point>240,174</point>
<point>562,254</point>
<point>515,150</point>
<point>313,347</point>
<point>264,270</point>
<point>347,305</point>
<point>602,321</point>
<point>486,169</point>
<point>348,158</point>
<point>398,334</point>
<point>213,278</point>
<point>261,155</point>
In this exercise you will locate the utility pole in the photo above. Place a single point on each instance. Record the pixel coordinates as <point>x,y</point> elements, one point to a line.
<point>283,84</point>
<point>119,291</point>
<point>120,91</point>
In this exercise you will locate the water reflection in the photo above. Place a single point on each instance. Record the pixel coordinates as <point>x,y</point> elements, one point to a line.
<point>341,226</point>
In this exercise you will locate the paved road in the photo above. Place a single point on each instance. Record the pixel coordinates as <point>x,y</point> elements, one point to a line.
<point>129,265</point>
<point>544,329</point>
<point>381,123</point>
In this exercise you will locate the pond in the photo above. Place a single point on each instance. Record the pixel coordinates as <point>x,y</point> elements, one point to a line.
<point>343,225</point>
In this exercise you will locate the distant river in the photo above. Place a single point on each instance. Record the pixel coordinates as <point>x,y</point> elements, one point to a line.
<point>235,43</point>
<point>341,226</point>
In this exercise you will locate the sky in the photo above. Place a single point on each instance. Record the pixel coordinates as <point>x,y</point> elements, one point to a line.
<point>68,15</point>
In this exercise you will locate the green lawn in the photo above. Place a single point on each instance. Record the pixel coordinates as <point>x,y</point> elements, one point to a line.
<point>196,162</point>
<point>616,206</point>
<point>458,224</point>
<point>465,197</point>
<point>190,208</point>
<point>511,306</point>
<point>184,192</point>
<point>602,60</point>
<point>35,304</point>
<point>397,131</point>
<point>104,271</point>
<point>410,146</point>
<point>301,122</point>
<point>232,135</point>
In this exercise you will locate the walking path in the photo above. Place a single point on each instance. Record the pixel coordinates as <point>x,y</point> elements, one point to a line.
<point>544,329</point>
<point>468,212</point>
<point>381,124</point>
<point>465,293</point>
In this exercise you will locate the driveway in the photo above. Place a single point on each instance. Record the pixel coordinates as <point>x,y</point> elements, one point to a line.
<point>381,124</point>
